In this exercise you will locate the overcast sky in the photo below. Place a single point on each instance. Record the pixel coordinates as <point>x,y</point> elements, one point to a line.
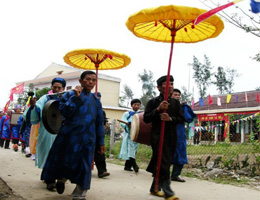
<point>36,33</point>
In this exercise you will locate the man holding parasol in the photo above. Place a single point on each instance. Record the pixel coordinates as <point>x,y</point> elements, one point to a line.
<point>154,114</point>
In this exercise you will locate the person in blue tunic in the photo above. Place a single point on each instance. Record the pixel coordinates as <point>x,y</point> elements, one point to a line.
<point>45,139</point>
<point>25,131</point>
<point>180,155</point>
<point>6,130</point>
<point>129,147</point>
<point>71,155</point>
<point>16,128</point>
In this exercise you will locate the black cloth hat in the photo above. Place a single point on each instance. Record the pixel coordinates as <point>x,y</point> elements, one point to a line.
<point>163,79</point>
<point>176,90</point>
<point>135,101</point>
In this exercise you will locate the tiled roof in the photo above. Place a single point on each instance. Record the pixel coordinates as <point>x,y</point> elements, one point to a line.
<point>237,101</point>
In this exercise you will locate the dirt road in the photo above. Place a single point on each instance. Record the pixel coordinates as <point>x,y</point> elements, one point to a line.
<point>21,175</point>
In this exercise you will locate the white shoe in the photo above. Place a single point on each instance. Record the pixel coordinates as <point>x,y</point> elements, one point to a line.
<point>33,156</point>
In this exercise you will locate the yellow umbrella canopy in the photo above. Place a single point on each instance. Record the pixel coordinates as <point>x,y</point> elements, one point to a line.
<point>160,24</point>
<point>96,59</point>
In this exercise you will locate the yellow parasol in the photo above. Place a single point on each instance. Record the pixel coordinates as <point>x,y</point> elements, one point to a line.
<point>96,59</point>
<point>172,24</point>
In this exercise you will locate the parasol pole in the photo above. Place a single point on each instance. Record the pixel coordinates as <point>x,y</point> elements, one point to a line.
<point>158,166</point>
<point>96,66</point>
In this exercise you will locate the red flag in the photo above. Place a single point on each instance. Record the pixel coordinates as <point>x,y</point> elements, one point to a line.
<point>16,90</point>
<point>6,106</point>
<point>257,97</point>
<point>192,104</point>
<point>210,100</point>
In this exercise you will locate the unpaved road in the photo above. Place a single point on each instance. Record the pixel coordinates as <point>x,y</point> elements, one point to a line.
<point>23,177</point>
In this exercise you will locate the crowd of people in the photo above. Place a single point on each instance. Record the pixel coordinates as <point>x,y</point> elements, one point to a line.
<point>70,154</point>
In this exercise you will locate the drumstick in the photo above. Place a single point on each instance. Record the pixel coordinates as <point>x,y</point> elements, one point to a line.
<point>123,122</point>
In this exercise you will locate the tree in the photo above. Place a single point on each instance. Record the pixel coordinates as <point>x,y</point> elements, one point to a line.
<point>185,95</point>
<point>128,93</point>
<point>257,57</point>
<point>202,74</point>
<point>243,19</point>
<point>22,98</point>
<point>148,86</point>
<point>221,80</point>
<point>41,92</point>
<point>231,75</point>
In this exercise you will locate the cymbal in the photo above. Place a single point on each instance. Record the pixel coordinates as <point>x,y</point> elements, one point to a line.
<point>51,116</point>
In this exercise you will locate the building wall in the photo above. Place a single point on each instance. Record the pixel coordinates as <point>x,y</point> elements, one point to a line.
<point>109,92</point>
<point>114,114</point>
<point>53,69</point>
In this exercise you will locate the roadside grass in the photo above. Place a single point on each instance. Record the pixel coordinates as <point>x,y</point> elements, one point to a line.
<point>220,148</point>
<point>144,154</point>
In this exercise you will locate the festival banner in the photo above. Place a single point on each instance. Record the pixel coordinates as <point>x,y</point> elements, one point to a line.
<point>237,98</point>
<point>210,100</point>
<point>219,102</point>
<point>16,90</point>
<point>255,6</point>
<point>201,101</point>
<point>246,99</point>
<point>228,98</point>
<point>6,106</point>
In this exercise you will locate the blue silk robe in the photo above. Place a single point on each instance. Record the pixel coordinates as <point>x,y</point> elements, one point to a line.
<point>180,156</point>
<point>72,152</point>
<point>16,128</point>
<point>45,139</point>
<point>6,130</point>
<point>25,127</point>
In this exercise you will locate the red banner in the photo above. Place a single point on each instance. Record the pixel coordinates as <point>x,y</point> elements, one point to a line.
<point>211,117</point>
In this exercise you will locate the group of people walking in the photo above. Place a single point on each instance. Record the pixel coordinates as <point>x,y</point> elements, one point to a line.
<point>69,155</point>
<point>14,132</point>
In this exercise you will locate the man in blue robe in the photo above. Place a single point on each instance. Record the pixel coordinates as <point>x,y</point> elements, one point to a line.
<point>180,155</point>
<point>16,128</point>
<point>71,155</point>
<point>45,139</point>
<point>6,130</point>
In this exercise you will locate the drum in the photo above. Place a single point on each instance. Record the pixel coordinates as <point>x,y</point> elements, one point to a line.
<point>140,131</point>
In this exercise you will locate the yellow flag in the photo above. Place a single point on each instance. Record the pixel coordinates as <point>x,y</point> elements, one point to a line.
<point>228,97</point>
<point>28,101</point>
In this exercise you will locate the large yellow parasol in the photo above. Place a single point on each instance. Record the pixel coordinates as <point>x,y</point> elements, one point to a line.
<point>172,24</point>
<point>96,59</point>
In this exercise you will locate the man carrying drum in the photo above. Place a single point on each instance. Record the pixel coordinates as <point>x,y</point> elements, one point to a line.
<point>129,147</point>
<point>173,115</point>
